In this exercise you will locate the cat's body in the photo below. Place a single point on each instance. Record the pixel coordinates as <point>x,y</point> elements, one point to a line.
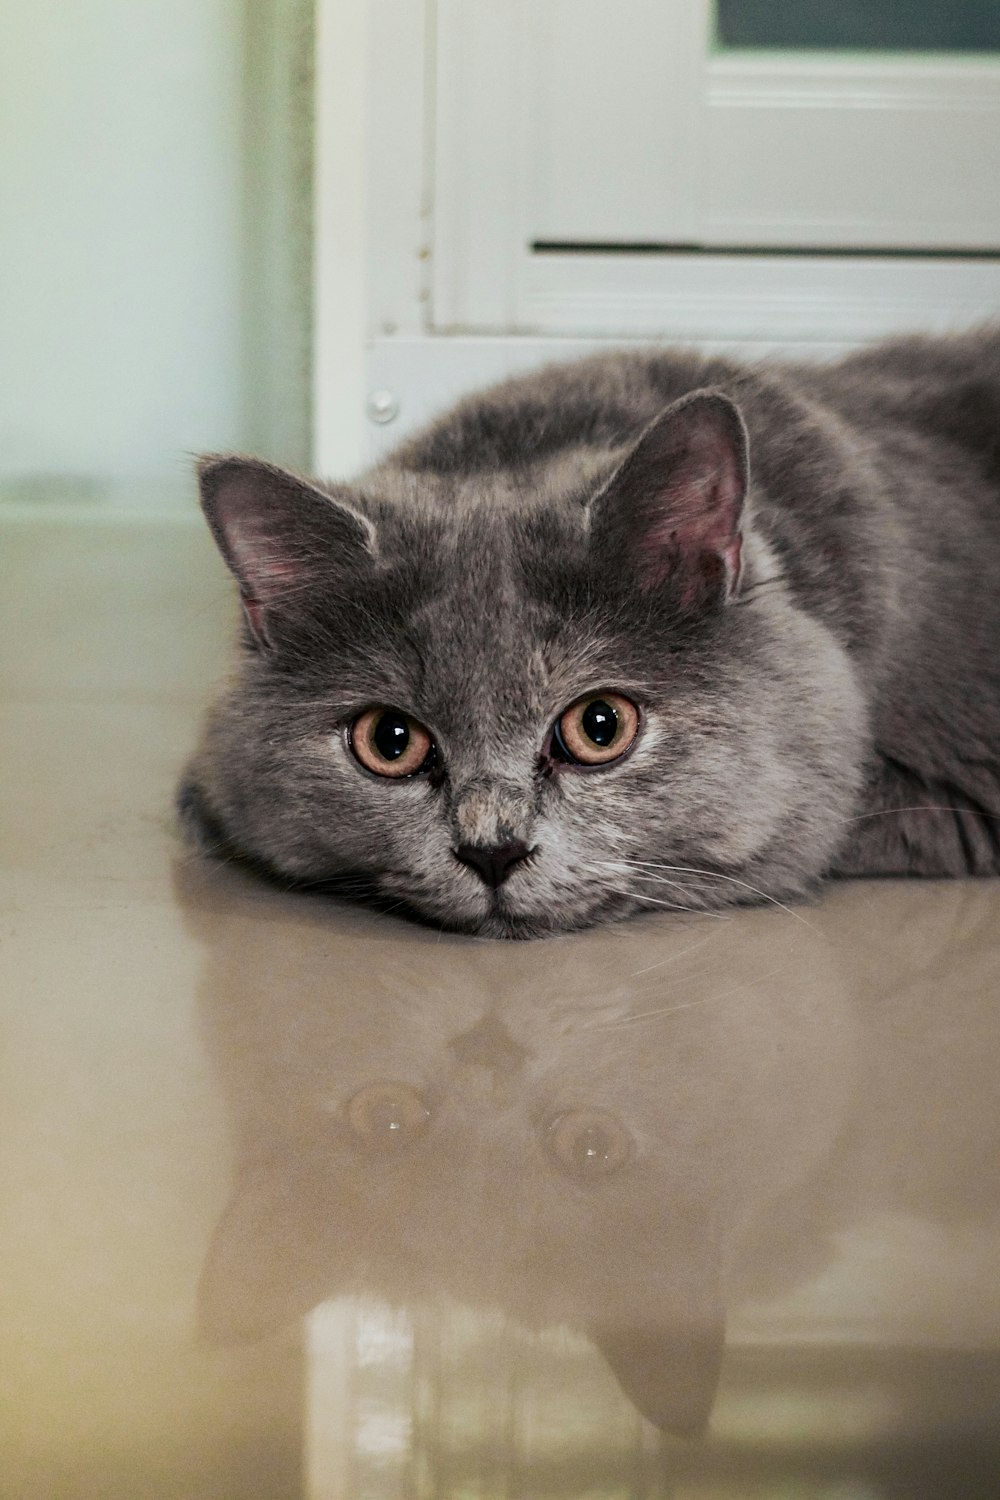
<point>804,674</point>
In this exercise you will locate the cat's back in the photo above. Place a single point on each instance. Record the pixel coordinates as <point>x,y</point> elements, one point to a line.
<point>942,391</point>
<point>601,402</point>
<point>944,388</point>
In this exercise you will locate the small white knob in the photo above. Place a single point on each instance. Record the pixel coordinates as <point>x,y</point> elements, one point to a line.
<point>383,406</point>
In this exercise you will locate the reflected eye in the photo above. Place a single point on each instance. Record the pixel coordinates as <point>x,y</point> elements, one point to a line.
<point>390,743</point>
<point>588,1143</point>
<point>387,1116</point>
<point>597,730</point>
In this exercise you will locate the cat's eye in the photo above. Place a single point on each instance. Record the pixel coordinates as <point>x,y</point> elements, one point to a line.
<point>588,1143</point>
<point>389,742</point>
<point>596,730</point>
<point>387,1116</point>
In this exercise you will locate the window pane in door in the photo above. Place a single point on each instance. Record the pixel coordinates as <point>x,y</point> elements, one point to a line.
<point>866,25</point>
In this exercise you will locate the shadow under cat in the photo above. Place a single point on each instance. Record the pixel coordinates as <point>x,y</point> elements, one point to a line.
<point>639,1133</point>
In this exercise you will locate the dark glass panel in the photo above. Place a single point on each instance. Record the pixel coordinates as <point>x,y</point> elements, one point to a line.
<point>865,25</point>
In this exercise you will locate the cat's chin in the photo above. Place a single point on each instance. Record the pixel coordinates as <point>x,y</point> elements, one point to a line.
<point>517,929</point>
<point>525,926</point>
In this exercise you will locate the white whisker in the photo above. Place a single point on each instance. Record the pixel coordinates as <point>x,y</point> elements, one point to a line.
<point>669,1010</point>
<point>673,958</point>
<point>886,812</point>
<point>696,911</point>
<point>633,866</point>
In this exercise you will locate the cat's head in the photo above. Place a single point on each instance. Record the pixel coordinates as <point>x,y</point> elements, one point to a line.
<point>498,699</point>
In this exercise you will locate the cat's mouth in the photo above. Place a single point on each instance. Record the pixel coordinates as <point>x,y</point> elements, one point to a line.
<point>507,919</point>
<point>521,928</point>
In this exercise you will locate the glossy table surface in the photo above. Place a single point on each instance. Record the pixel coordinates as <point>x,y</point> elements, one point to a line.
<point>303,1201</point>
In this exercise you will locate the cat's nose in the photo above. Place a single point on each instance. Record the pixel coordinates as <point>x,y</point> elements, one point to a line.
<point>492,863</point>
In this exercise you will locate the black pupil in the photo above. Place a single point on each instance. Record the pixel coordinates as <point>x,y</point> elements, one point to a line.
<point>391,736</point>
<point>591,1148</point>
<point>387,1121</point>
<point>599,722</point>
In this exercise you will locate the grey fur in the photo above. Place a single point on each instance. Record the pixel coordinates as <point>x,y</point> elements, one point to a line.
<point>839,713</point>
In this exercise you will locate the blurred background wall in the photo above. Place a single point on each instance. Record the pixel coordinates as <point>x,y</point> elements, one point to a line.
<point>155,162</point>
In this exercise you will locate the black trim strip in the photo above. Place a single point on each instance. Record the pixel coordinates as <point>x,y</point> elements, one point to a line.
<point>772,252</point>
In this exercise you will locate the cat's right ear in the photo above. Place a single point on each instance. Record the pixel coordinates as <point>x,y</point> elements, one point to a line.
<point>673,509</point>
<point>280,536</point>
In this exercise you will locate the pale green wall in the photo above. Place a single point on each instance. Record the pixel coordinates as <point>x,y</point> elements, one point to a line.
<point>154,239</point>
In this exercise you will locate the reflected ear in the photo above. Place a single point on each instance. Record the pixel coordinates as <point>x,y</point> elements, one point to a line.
<point>664,1341</point>
<point>673,509</point>
<point>281,537</point>
<point>670,1374</point>
<point>266,1268</point>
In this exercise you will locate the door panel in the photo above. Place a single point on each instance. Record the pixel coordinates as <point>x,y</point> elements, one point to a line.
<point>818,153</point>
<point>640,129</point>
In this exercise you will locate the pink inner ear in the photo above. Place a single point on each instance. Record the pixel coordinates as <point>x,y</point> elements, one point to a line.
<point>279,535</point>
<point>266,572</point>
<point>255,619</point>
<point>676,503</point>
<point>693,528</point>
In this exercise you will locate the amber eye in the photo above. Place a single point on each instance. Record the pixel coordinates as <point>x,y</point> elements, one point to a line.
<point>387,1116</point>
<point>597,730</point>
<point>589,1143</point>
<point>390,743</point>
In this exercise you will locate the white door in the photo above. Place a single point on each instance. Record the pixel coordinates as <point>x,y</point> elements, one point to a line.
<point>499,182</point>
<point>570,129</point>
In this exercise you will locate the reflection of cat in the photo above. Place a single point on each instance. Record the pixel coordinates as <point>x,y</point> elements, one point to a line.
<point>585,1134</point>
<point>556,638</point>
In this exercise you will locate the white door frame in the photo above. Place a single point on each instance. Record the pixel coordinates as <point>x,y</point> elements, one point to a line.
<point>425,278</point>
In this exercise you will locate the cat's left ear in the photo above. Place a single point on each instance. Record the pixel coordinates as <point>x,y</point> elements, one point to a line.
<point>673,510</point>
<point>282,538</point>
<point>274,1256</point>
<point>670,1374</point>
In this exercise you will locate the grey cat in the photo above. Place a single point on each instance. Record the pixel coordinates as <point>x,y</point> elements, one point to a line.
<point>648,630</point>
